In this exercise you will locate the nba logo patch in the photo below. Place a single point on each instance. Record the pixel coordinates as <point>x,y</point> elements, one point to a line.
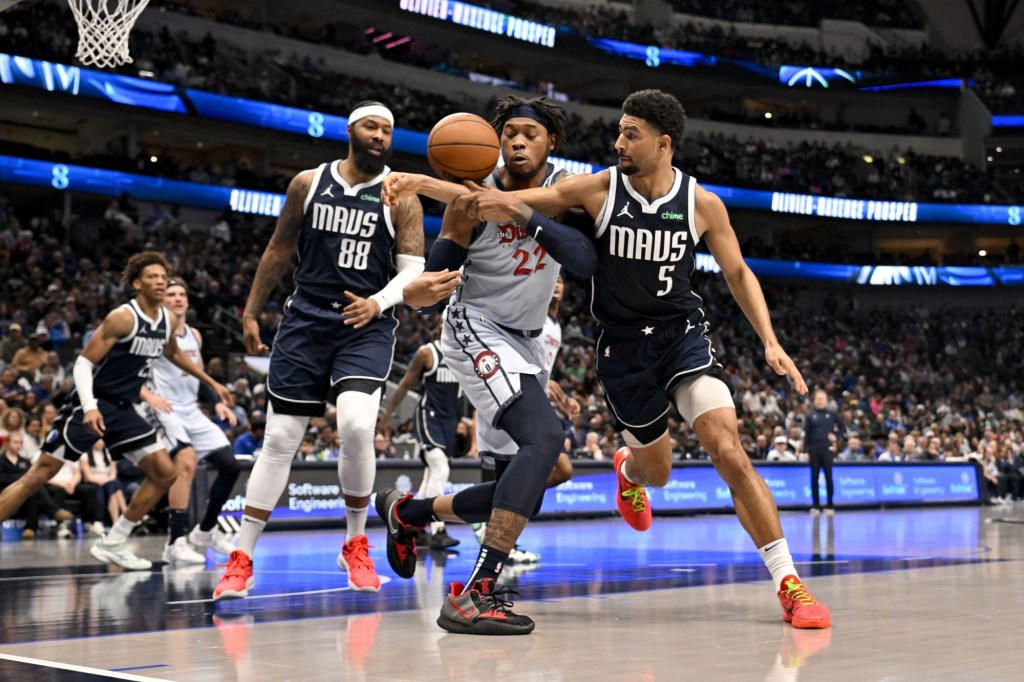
<point>486,364</point>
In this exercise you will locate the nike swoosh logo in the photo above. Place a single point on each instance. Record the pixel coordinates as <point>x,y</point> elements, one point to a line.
<point>391,517</point>
<point>772,546</point>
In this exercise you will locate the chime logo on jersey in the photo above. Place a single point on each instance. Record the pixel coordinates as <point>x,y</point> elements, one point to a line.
<point>344,220</point>
<point>639,243</point>
<point>486,364</point>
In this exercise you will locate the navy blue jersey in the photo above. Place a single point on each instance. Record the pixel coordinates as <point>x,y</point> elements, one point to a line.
<point>817,426</point>
<point>440,398</point>
<point>646,256</point>
<point>129,364</point>
<point>347,238</point>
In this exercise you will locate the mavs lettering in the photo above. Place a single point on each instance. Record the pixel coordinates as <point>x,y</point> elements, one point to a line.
<point>647,245</point>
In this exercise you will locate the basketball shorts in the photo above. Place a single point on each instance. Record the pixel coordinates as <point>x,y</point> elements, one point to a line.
<point>314,351</point>
<point>187,426</point>
<point>489,363</point>
<point>126,432</point>
<point>433,432</point>
<point>638,374</point>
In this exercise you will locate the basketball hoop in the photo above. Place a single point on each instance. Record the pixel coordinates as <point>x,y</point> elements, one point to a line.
<point>103,28</point>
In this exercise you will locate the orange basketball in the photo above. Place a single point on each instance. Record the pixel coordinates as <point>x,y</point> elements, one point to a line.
<point>463,146</point>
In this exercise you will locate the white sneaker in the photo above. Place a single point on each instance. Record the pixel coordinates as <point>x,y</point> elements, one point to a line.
<point>180,552</point>
<point>215,539</point>
<point>830,511</point>
<point>119,553</point>
<point>64,531</point>
<point>479,530</point>
<point>95,529</point>
<point>521,556</point>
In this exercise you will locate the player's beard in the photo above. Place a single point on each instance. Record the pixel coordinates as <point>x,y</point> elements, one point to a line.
<point>626,170</point>
<point>371,165</point>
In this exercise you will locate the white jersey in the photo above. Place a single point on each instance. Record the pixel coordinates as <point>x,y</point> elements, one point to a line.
<point>508,278</point>
<point>172,383</point>
<point>551,337</point>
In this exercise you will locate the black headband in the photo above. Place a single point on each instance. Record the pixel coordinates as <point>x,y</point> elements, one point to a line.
<point>528,111</point>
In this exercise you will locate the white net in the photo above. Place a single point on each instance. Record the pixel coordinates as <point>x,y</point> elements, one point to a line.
<point>103,28</point>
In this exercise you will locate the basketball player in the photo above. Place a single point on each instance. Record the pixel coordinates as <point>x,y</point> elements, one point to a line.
<point>653,347</point>
<point>109,373</point>
<point>337,338</point>
<point>172,399</point>
<point>436,419</point>
<point>551,340</point>
<point>491,342</point>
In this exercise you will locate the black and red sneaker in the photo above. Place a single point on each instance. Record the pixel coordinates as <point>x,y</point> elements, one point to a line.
<point>482,610</point>
<point>401,536</point>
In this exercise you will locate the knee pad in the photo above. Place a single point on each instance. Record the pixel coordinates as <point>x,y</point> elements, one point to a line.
<point>270,472</point>
<point>357,421</point>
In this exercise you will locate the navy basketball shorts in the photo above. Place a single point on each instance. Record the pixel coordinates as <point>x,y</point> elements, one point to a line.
<point>314,351</point>
<point>638,373</point>
<point>433,432</point>
<point>126,432</point>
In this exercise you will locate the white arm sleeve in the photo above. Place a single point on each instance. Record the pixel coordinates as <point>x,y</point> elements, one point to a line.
<point>409,268</point>
<point>83,382</point>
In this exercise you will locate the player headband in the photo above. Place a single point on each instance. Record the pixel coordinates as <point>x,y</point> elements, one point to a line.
<point>371,110</point>
<point>527,111</point>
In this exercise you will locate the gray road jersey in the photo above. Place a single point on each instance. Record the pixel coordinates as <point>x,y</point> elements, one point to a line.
<point>508,277</point>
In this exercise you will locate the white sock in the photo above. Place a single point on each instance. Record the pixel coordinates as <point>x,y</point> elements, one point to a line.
<point>251,530</point>
<point>121,530</point>
<point>779,561</point>
<point>622,470</point>
<point>355,521</point>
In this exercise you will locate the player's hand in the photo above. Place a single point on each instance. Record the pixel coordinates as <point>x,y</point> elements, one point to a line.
<point>226,414</point>
<point>384,424</point>
<point>223,394</point>
<point>430,287</point>
<point>360,311</point>
<point>490,203</point>
<point>778,360</point>
<point>251,336</point>
<point>571,407</point>
<point>93,421</point>
<point>397,186</point>
<point>159,404</point>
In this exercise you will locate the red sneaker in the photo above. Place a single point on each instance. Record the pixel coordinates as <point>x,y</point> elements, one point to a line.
<point>631,499</point>
<point>800,608</point>
<point>355,560</point>
<point>237,579</point>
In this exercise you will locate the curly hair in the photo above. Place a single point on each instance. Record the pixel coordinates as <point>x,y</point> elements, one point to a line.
<point>553,115</point>
<point>139,262</point>
<point>661,110</point>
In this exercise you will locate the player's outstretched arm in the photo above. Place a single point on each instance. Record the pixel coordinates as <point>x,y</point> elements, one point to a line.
<point>397,186</point>
<point>407,216</point>
<point>277,259</point>
<point>422,361</point>
<point>441,273</point>
<point>181,360</point>
<point>587,190</point>
<point>714,226</point>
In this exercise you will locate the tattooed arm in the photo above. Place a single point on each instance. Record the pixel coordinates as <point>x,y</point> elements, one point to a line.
<point>407,216</point>
<point>277,259</point>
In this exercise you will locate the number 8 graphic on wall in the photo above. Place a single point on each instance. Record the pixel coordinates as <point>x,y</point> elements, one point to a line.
<point>60,177</point>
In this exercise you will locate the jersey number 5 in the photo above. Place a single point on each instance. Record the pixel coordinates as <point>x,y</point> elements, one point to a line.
<point>524,258</point>
<point>665,275</point>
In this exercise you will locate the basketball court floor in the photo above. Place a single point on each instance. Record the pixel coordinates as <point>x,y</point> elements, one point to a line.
<point>916,594</point>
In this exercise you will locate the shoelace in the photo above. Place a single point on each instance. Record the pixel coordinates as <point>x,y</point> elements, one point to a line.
<point>797,591</point>
<point>636,497</point>
<point>360,557</point>
<point>235,566</point>
<point>495,599</point>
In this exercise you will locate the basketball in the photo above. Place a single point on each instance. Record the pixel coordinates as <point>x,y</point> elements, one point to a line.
<point>463,146</point>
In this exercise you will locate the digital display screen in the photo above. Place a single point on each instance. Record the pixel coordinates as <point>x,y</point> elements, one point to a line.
<point>313,491</point>
<point>483,19</point>
<point>149,94</point>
